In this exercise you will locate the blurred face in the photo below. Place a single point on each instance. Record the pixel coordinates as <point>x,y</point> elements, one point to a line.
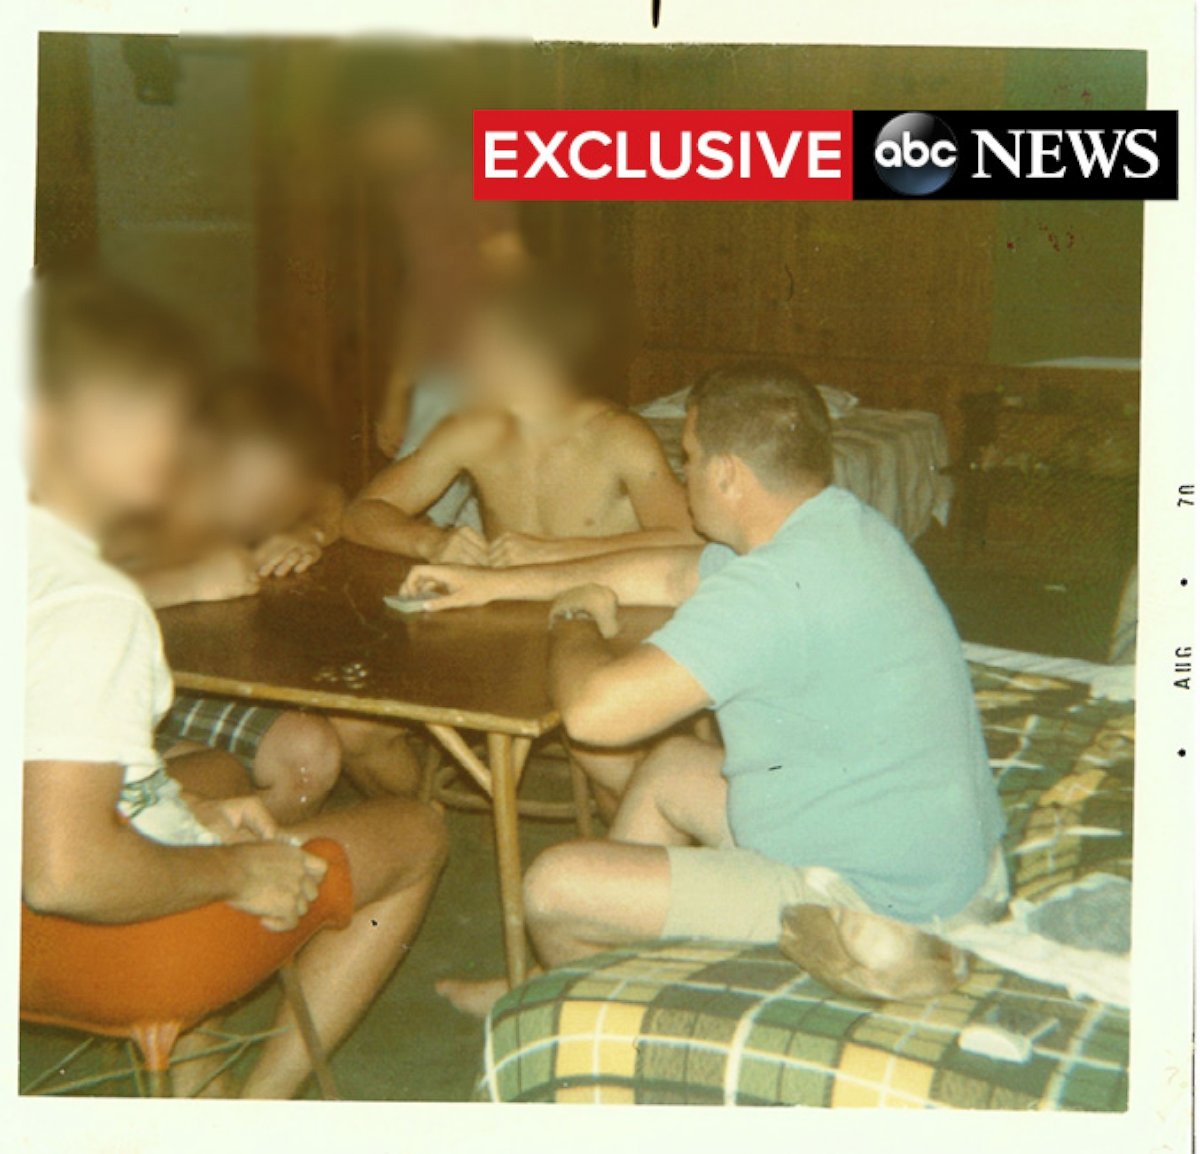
<point>115,444</point>
<point>256,488</point>
<point>712,511</point>
<point>503,368</point>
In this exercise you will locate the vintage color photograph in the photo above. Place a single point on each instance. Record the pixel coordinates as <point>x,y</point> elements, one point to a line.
<point>645,652</point>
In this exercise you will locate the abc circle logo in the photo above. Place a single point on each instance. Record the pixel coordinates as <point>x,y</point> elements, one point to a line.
<point>915,154</point>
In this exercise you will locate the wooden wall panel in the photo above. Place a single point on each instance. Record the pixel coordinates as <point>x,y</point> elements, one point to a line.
<point>65,213</point>
<point>861,281</point>
<point>897,301</point>
<point>324,257</point>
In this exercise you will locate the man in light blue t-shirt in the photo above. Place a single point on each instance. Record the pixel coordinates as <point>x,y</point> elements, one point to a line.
<point>851,770</point>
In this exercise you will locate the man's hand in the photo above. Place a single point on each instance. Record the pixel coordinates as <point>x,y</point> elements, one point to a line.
<point>522,549</point>
<point>461,546</point>
<point>235,819</point>
<point>287,553</point>
<point>277,883</point>
<point>455,586</point>
<point>224,575</point>
<point>595,601</point>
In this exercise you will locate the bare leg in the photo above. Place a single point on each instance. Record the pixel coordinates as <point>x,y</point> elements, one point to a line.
<point>193,1077</point>
<point>585,896</point>
<point>397,849</point>
<point>581,897</point>
<point>609,771</point>
<point>210,773</point>
<point>676,797</point>
<point>294,769</point>
<point>379,759</point>
<point>476,998</point>
<point>296,766</point>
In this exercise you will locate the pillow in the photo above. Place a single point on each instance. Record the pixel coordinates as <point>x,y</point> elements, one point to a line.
<point>839,402</point>
<point>674,405</point>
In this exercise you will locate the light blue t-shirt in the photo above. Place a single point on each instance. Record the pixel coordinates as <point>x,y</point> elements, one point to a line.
<point>851,734</point>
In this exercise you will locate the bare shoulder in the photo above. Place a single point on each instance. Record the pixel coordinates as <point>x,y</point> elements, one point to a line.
<point>612,423</point>
<point>464,436</point>
<point>621,432</point>
<point>457,443</point>
<point>475,427</point>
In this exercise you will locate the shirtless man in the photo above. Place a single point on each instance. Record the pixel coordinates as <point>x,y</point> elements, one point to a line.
<point>560,473</point>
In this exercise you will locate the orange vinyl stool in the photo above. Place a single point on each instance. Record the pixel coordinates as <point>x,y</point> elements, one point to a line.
<point>151,981</point>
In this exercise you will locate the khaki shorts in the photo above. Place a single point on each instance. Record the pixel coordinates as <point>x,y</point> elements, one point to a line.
<point>736,894</point>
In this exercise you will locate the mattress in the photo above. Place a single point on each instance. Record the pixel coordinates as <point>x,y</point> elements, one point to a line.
<point>892,460</point>
<point>727,1023</point>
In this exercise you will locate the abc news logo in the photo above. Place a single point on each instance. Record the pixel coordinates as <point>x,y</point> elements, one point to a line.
<point>1016,155</point>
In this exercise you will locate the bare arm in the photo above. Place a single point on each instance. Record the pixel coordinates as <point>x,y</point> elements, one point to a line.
<point>223,574</point>
<point>325,517</point>
<point>657,497</point>
<point>395,403</point>
<point>79,860</point>
<point>663,577</point>
<point>386,515</point>
<point>617,701</point>
<point>298,549</point>
<point>176,564</point>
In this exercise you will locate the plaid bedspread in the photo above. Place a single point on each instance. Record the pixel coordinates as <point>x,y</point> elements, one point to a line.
<point>705,1022</point>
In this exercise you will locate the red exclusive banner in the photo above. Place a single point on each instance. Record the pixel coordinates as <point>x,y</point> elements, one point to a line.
<point>694,154</point>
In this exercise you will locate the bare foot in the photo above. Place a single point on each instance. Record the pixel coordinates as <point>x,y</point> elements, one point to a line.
<point>474,998</point>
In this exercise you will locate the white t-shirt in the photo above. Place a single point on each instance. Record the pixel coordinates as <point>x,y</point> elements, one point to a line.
<point>96,680</point>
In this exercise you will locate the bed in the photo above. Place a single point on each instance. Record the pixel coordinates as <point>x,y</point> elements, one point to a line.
<point>891,459</point>
<point>725,1023</point>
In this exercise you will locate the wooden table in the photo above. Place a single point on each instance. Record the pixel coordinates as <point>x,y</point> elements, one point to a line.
<point>303,641</point>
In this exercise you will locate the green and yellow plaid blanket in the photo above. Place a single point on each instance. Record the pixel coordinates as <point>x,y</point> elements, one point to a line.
<point>709,1022</point>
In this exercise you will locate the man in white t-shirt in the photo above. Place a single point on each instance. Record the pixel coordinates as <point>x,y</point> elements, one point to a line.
<point>108,835</point>
<point>88,627</point>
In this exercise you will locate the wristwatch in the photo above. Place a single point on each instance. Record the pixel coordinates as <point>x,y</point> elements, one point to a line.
<point>570,615</point>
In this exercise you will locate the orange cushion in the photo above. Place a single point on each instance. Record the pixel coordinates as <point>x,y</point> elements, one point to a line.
<point>182,968</point>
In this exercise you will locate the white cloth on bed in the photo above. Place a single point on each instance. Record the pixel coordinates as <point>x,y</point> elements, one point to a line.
<point>1062,941</point>
<point>1107,682</point>
<point>674,405</point>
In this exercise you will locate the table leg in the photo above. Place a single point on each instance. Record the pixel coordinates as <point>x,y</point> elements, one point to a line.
<point>503,761</point>
<point>581,791</point>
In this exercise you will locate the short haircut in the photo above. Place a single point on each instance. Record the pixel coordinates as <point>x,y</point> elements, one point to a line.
<point>88,324</point>
<point>769,416</point>
<point>588,331</point>
<point>259,403</point>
